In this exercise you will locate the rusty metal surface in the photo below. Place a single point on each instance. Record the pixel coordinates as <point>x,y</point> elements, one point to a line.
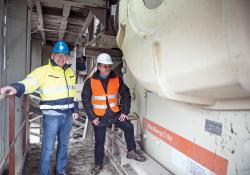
<point>13,137</point>
<point>25,129</point>
<point>11,134</point>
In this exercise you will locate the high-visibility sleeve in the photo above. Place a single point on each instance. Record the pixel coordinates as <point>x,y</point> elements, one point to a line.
<point>34,80</point>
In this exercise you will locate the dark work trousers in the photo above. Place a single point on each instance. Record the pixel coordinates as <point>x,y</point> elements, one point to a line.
<point>100,133</point>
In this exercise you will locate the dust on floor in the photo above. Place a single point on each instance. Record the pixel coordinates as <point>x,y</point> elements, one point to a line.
<point>80,160</point>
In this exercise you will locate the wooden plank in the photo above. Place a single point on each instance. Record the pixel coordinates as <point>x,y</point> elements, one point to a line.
<point>77,3</point>
<point>29,4</point>
<point>58,10</point>
<point>84,27</point>
<point>91,30</point>
<point>40,18</point>
<point>93,40</point>
<point>95,51</point>
<point>64,21</point>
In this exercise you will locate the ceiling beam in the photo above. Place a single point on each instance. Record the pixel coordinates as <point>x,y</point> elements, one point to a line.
<point>40,19</point>
<point>64,21</point>
<point>91,30</point>
<point>84,27</point>
<point>77,3</point>
<point>29,4</point>
<point>94,39</point>
<point>57,11</point>
<point>95,51</point>
<point>101,15</point>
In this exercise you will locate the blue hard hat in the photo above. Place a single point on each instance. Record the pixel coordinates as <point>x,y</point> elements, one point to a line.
<point>61,47</point>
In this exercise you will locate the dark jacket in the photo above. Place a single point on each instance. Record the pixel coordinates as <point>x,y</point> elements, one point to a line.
<point>110,116</point>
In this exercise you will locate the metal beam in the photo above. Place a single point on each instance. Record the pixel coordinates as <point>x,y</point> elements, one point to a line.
<point>64,21</point>
<point>12,135</point>
<point>101,15</point>
<point>77,3</point>
<point>95,51</point>
<point>29,4</point>
<point>94,39</point>
<point>84,27</point>
<point>91,30</point>
<point>40,19</point>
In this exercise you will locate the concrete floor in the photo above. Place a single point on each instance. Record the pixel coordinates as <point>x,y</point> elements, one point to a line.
<point>80,160</point>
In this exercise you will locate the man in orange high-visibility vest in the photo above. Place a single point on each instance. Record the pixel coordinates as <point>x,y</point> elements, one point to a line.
<point>100,100</point>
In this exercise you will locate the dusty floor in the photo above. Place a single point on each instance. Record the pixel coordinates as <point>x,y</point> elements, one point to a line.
<point>80,160</point>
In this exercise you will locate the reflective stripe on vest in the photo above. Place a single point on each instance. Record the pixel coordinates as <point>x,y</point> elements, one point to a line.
<point>62,107</point>
<point>100,99</point>
<point>112,104</point>
<point>99,106</point>
<point>103,97</point>
<point>58,89</point>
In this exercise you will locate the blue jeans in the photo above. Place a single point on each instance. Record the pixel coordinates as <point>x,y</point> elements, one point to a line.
<point>55,126</point>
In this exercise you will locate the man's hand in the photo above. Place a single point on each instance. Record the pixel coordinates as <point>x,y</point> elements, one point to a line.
<point>96,121</point>
<point>123,117</point>
<point>75,115</point>
<point>8,90</point>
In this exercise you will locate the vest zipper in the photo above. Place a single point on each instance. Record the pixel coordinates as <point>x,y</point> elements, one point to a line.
<point>67,86</point>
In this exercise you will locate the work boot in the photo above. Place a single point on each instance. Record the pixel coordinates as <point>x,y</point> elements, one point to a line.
<point>134,154</point>
<point>96,170</point>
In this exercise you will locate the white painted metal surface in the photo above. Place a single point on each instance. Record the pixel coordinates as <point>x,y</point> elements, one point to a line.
<point>187,66</point>
<point>189,122</point>
<point>192,51</point>
<point>184,124</point>
<point>117,152</point>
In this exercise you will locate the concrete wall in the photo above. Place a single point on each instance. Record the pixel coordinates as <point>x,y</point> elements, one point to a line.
<point>46,53</point>
<point>18,60</point>
<point>36,53</point>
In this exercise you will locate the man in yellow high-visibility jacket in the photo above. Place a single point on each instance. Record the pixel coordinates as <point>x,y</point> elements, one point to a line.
<point>56,83</point>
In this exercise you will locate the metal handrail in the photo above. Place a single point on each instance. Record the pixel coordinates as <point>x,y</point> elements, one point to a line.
<point>13,142</point>
<point>36,118</point>
<point>12,137</point>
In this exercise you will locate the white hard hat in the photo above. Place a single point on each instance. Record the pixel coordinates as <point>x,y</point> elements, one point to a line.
<point>104,58</point>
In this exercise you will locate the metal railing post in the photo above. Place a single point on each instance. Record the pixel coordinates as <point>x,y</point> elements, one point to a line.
<point>11,134</point>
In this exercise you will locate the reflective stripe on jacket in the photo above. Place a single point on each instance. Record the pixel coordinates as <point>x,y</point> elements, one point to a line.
<point>100,98</point>
<point>56,86</point>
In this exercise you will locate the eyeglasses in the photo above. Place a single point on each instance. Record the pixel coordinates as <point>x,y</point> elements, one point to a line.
<point>107,66</point>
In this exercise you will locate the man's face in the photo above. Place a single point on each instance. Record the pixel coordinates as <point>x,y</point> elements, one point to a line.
<point>105,69</point>
<point>60,59</point>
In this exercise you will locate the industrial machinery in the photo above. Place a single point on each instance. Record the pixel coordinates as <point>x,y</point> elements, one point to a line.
<point>186,62</point>
<point>187,66</point>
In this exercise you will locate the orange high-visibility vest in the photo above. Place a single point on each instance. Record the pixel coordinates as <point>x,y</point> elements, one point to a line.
<point>100,98</point>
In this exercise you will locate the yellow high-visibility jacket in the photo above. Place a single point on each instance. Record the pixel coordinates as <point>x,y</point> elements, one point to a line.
<point>56,86</point>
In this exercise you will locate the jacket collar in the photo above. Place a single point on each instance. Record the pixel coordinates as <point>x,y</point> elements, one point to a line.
<point>53,64</point>
<point>96,75</point>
